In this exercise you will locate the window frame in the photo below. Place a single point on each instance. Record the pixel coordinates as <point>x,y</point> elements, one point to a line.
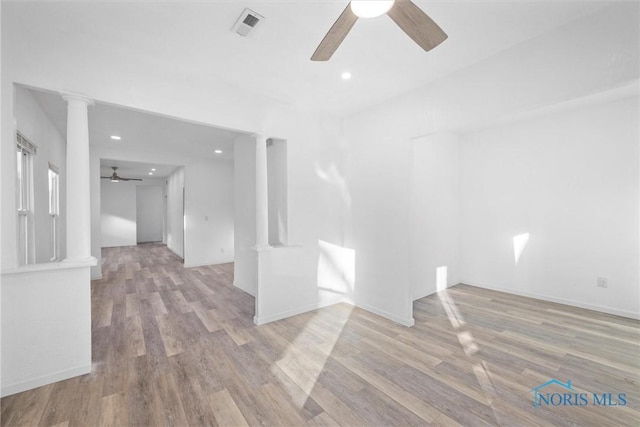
<point>54,212</point>
<point>25,150</point>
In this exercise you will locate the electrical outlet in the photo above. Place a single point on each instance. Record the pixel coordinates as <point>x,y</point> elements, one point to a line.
<point>603,282</point>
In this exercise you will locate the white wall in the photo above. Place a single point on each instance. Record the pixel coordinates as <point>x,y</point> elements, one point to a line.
<point>244,157</point>
<point>594,54</point>
<point>210,212</point>
<point>46,326</point>
<point>571,181</point>
<point>302,275</point>
<point>435,214</point>
<point>118,216</point>
<point>34,124</point>
<point>175,212</point>
<point>377,226</point>
<point>149,213</point>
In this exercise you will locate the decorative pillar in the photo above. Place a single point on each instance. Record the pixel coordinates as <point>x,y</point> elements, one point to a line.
<point>262,195</point>
<point>78,178</point>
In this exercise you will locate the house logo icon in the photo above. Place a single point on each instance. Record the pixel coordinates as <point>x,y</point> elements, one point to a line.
<point>537,390</point>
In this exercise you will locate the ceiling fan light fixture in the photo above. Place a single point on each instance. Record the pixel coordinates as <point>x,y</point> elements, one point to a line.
<point>115,180</point>
<point>371,8</point>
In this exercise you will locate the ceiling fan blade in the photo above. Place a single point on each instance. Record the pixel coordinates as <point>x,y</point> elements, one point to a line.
<point>105,177</point>
<point>417,24</point>
<point>129,179</point>
<point>336,35</point>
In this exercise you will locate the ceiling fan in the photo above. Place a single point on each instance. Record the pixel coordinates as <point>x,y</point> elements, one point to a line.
<point>409,17</point>
<point>115,178</point>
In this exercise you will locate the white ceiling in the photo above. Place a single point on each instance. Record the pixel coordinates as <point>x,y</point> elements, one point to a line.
<point>194,40</point>
<point>141,131</point>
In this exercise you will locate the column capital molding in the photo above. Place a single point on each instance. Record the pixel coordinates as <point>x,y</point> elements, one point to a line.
<point>75,96</point>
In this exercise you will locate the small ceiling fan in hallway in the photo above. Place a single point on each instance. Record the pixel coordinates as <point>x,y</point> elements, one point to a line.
<point>115,178</point>
<point>409,17</point>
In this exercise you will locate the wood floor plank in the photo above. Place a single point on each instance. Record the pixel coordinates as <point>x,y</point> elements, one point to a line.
<point>208,319</point>
<point>156,302</point>
<point>132,305</point>
<point>225,409</point>
<point>61,403</point>
<point>102,309</point>
<point>172,342</point>
<point>322,420</point>
<point>27,408</point>
<point>418,406</point>
<point>113,410</point>
<point>176,346</point>
<point>135,336</point>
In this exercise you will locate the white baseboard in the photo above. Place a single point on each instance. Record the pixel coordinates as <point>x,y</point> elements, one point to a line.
<point>403,321</point>
<point>240,286</point>
<point>43,380</point>
<point>420,296</point>
<point>175,253</point>
<point>211,262</point>
<point>97,275</point>
<point>574,303</point>
<point>294,312</point>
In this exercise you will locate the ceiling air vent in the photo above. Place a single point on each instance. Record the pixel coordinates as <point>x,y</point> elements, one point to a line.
<point>247,22</point>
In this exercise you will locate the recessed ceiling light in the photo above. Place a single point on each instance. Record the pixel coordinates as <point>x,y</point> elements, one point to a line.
<point>153,169</point>
<point>218,151</point>
<point>115,137</point>
<point>150,173</point>
<point>346,75</point>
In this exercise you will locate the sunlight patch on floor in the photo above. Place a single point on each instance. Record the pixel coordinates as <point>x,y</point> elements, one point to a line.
<point>304,360</point>
<point>469,346</point>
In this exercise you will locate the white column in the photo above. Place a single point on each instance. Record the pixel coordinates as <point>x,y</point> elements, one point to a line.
<point>262,195</point>
<point>78,178</point>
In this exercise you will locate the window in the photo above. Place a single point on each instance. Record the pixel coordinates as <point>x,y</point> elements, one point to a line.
<point>25,151</point>
<point>54,212</point>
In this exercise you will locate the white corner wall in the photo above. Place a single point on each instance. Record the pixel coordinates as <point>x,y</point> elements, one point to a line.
<point>175,212</point>
<point>435,214</point>
<point>244,157</point>
<point>377,221</point>
<point>209,220</point>
<point>118,216</point>
<point>568,184</point>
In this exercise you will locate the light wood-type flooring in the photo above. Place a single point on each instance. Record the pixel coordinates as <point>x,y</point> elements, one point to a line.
<point>175,346</point>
